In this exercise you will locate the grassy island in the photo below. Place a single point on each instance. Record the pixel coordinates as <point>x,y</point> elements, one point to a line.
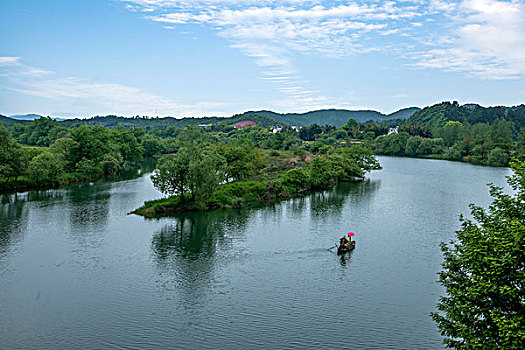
<point>206,176</point>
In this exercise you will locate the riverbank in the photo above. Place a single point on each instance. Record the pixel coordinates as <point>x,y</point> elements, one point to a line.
<point>465,160</point>
<point>23,183</point>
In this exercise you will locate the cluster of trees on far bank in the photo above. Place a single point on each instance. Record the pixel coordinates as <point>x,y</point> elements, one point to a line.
<point>480,143</point>
<point>490,136</point>
<point>45,152</point>
<point>65,156</point>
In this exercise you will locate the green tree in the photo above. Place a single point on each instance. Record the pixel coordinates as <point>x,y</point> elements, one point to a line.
<point>89,168</point>
<point>171,176</point>
<point>393,144</point>
<point>412,146</point>
<point>451,132</point>
<point>498,157</point>
<point>205,173</point>
<point>484,274</point>
<point>196,169</point>
<point>501,132</point>
<point>425,147</point>
<point>298,178</point>
<point>369,136</point>
<point>111,164</point>
<point>240,161</point>
<point>363,157</point>
<point>311,132</point>
<point>127,145</point>
<point>13,158</point>
<point>65,148</point>
<point>45,167</point>
<point>93,142</point>
<point>322,173</point>
<point>41,132</point>
<point>152,145</point>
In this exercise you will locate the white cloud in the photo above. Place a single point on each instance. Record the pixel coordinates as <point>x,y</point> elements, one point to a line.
<point>488,40</point>
<point>8,61</point>
<point>482,38</point>
<point>105,98</point>
<point>273,31</point>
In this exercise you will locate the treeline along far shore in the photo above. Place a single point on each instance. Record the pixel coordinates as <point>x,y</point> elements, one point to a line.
<point>45,152</point>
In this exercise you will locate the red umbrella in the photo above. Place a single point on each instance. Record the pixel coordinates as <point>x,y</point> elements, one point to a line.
<point>351,234</point>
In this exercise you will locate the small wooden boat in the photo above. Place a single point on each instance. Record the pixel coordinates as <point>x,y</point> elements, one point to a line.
<point>342,249</point>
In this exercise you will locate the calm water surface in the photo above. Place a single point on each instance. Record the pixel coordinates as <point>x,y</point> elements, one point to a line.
<point>76,272</point>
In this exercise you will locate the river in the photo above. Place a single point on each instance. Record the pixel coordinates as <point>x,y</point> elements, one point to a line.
<point>77,272</point>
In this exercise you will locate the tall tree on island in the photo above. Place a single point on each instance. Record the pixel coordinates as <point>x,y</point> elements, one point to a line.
<point>484,274</point>
<point>196,169</point>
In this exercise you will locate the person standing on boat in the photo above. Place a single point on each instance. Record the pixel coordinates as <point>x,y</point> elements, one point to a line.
<point>344,241</point>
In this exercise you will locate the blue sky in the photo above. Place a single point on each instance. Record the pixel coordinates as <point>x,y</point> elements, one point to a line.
<point>210,57</point>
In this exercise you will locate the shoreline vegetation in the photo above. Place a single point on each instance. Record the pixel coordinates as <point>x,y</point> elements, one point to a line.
<point>46,153</point>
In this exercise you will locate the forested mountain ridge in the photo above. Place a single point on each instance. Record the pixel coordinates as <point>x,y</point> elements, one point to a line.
<point>403,113</point>
<point>265,118</point>
<point>335,117</point>
<point>113,121</point>
<point>433,116</point>
<point>439,114</point>
<point>4,119</point>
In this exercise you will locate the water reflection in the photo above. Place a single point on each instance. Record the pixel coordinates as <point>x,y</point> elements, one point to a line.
<point>333,201</point>
<point>185,249</point>
<point>88,207</point>
<point>132,171</point>
<point>13,221</point>
<point>194,235</point>
<point>346,259</point>
<point>44,196</point>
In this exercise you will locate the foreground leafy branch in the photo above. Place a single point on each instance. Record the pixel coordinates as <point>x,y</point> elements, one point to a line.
<point>484,274</point>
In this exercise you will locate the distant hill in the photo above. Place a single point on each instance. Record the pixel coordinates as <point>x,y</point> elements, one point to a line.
<point>31,116</point>
<point>265,118</point>
<point>26,116</point>
<point>439,114</point>
<point>404,113</point>
<point>336,117</point>
<point>113,121</point>
<point>432,116</point>
<point>4,119</point>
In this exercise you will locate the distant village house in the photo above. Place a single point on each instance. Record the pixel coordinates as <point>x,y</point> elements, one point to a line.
<point>393,130</point>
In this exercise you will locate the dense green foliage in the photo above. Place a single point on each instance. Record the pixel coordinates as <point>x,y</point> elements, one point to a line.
<point>203,175</point>
<point>12,157</point>
<point>438,115</point>
<point>74,154</point>
<point>484,275</point>
<point>490,144</point>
